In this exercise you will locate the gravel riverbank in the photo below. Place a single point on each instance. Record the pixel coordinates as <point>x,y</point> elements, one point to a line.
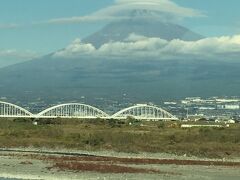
<point>51,164</point>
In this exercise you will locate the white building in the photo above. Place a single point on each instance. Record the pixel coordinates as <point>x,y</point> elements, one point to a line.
<point>229,106</point>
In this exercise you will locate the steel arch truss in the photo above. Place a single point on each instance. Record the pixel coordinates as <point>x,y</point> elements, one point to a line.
<point>12,110</point>
<point>144,112</point>
<point>72,110</point>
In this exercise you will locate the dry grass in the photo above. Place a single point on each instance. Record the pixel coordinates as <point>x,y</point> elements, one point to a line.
<point>104,135</point>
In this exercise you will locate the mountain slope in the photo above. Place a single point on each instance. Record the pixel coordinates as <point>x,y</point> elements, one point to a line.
<point>118,31</point>
<point>56,79</point>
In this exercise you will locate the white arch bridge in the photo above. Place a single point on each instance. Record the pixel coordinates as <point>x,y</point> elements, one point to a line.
<point>83,111</point>
<point>12,110</point>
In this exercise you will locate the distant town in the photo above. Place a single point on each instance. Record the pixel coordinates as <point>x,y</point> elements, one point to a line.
<point>209,109</point>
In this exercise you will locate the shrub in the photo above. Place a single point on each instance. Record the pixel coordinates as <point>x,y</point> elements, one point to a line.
<point>53,133</point>
<point>97,121</point>
<point>93,140</point>
<point>49,121</point>
<point>22,120</point>
<point>161,125</point>
<point>114,123</point>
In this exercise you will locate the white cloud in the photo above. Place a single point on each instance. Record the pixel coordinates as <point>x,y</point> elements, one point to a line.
<point>225,47</point>
<point>215,45</point>
<point>76,48</point>
<point>124,9</point>
<point>13,53</point>
<point>9,26</point>
<point>12,56</point>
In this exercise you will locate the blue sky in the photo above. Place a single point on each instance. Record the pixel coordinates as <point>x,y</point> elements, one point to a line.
<point>25,27</point>
<point>44,38</point>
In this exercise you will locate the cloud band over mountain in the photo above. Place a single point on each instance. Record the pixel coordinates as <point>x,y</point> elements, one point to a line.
<point>135,46</point>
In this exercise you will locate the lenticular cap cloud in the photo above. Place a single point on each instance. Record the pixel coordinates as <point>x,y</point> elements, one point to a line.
<point>163,6</point>
<point>165,10</point>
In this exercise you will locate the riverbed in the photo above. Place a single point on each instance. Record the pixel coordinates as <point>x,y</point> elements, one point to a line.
<point>112,165</point>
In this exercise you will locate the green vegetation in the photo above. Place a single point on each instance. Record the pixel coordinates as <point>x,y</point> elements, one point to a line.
<point>125,136</point>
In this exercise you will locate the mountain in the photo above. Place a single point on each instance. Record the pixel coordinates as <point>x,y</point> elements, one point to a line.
<point>118,31</point>
<point>143,79</point>
<point>67,80</point>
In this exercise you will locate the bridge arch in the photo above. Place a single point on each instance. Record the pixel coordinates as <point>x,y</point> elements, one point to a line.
<point>72,110</point>
<point>12,110</point>
<point>144,112</point>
